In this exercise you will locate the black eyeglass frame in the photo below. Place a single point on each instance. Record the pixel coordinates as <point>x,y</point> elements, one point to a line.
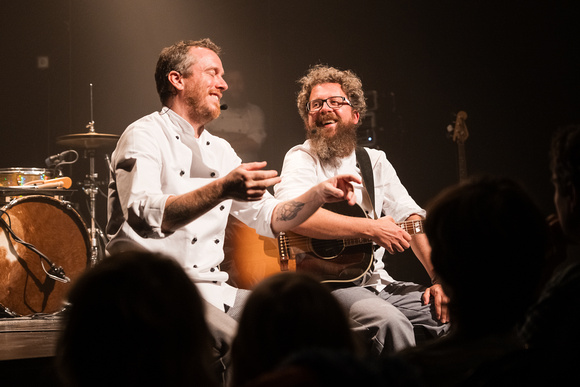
<point>343,101</point>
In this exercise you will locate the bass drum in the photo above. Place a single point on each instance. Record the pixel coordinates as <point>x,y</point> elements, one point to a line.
<point>56,230</point>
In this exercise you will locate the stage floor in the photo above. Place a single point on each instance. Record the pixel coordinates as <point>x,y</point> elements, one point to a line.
<point>29,337</point>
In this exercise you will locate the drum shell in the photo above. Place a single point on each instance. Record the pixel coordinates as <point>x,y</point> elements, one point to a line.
<point>11,177</point>
<point>55,229</point>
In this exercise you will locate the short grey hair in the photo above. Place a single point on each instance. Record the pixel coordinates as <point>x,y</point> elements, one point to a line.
<point>176,58</point>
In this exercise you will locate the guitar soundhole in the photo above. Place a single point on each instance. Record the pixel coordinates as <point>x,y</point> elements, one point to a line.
<point>327,248</point>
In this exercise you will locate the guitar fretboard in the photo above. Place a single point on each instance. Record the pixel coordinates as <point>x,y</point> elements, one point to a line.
<point>412,226</point>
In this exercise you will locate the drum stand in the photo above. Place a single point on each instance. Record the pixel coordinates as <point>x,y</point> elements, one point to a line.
<point>92,190</point>
<point>91,141</point>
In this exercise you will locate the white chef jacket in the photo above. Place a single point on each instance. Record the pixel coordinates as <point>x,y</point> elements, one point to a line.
<point>158,156</point>
<point>302,170</point>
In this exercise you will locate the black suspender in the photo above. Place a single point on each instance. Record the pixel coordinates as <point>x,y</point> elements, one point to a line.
<point>364,163</point>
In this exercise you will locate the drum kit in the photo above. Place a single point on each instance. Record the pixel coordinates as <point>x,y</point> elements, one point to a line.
<point>44,243</point>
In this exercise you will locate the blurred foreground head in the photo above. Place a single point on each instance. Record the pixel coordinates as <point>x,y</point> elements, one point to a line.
<point>489,243</point>
<point>136,319</point>
<point>286,314</point>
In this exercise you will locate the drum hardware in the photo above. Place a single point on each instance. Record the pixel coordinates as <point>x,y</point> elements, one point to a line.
<point>90,142</point>
<point>57,161</point>
<point>91,189</point>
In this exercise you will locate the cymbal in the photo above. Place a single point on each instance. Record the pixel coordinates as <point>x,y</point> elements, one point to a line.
<point>89,140</point>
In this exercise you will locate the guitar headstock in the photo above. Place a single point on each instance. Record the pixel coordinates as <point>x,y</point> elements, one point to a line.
<point>460,133</point>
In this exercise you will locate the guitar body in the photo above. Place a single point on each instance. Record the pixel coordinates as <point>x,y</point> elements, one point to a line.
<point>332,260</point>
<point>249,257</point>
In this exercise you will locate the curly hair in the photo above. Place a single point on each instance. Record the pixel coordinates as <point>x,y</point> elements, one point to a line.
<point>176,58</point>
<point>319,74</point>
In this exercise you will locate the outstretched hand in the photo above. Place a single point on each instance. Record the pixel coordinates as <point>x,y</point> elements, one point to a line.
<point>248,182</point>
<point>338,188</point>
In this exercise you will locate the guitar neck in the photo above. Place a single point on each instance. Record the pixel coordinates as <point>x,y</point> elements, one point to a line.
<point>460,135</point>
<point>462,161</point>
<point>411,226</point>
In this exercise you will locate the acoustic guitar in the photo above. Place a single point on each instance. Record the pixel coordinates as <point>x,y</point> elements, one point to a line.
<point>251,257</point>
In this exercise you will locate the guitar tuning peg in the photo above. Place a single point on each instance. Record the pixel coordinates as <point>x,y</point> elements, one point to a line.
<point>449,128</point>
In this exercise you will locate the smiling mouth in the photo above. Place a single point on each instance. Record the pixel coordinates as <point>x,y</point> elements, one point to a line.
<point>326,122</point>
<point>217,96</point>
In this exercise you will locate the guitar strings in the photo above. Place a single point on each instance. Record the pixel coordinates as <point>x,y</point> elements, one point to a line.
<point>322,242</point>
<point>410,226</point>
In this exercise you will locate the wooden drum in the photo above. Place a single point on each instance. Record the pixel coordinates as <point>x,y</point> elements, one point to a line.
<point>56,230</point>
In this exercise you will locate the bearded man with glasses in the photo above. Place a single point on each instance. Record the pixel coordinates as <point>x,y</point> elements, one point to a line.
<point>389,315</point>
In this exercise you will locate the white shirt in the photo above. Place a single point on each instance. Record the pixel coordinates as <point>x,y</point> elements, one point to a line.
<point>302,170</point>
<point>158,156</point>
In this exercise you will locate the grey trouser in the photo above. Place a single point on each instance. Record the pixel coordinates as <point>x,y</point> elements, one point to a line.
<point>223,327</point>
<point>392,319</point>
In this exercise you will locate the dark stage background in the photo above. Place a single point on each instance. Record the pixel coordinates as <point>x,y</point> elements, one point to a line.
<point>511,65</point>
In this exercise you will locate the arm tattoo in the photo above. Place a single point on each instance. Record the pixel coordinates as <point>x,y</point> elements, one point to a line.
<point>289,210</point>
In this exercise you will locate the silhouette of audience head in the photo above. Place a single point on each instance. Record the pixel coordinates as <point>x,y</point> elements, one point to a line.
<point>565,166</point>
<point>489,242</point>
<point>551,327</point>
<point>329,368</point>
<point>286,314</point>
<point>135,319</point>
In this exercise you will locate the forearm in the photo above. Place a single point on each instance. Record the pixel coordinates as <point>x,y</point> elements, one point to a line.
<point>183,209</point>
<point>290,214</point>
<point>422,250</point>
<point>324,224</point>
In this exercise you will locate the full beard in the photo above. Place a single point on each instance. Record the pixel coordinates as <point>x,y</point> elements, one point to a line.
<point>199,108</point>
<point>332,149</point>
<point>203,113</point>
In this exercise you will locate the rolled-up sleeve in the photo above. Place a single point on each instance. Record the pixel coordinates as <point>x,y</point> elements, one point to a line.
<point>299,174</point>
<point>138,166</point>
<point>257,215</point>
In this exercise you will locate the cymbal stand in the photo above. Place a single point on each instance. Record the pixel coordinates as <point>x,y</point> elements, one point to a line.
<point>91,189</point>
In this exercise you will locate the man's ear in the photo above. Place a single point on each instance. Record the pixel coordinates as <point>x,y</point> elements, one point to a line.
<point>176,79</point>
<point>356,116</point>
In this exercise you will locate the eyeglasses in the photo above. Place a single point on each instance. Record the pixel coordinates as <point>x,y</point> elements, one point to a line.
<point>332,102</point>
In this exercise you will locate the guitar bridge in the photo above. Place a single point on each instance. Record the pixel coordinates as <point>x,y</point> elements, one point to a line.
<point>283,251</point>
